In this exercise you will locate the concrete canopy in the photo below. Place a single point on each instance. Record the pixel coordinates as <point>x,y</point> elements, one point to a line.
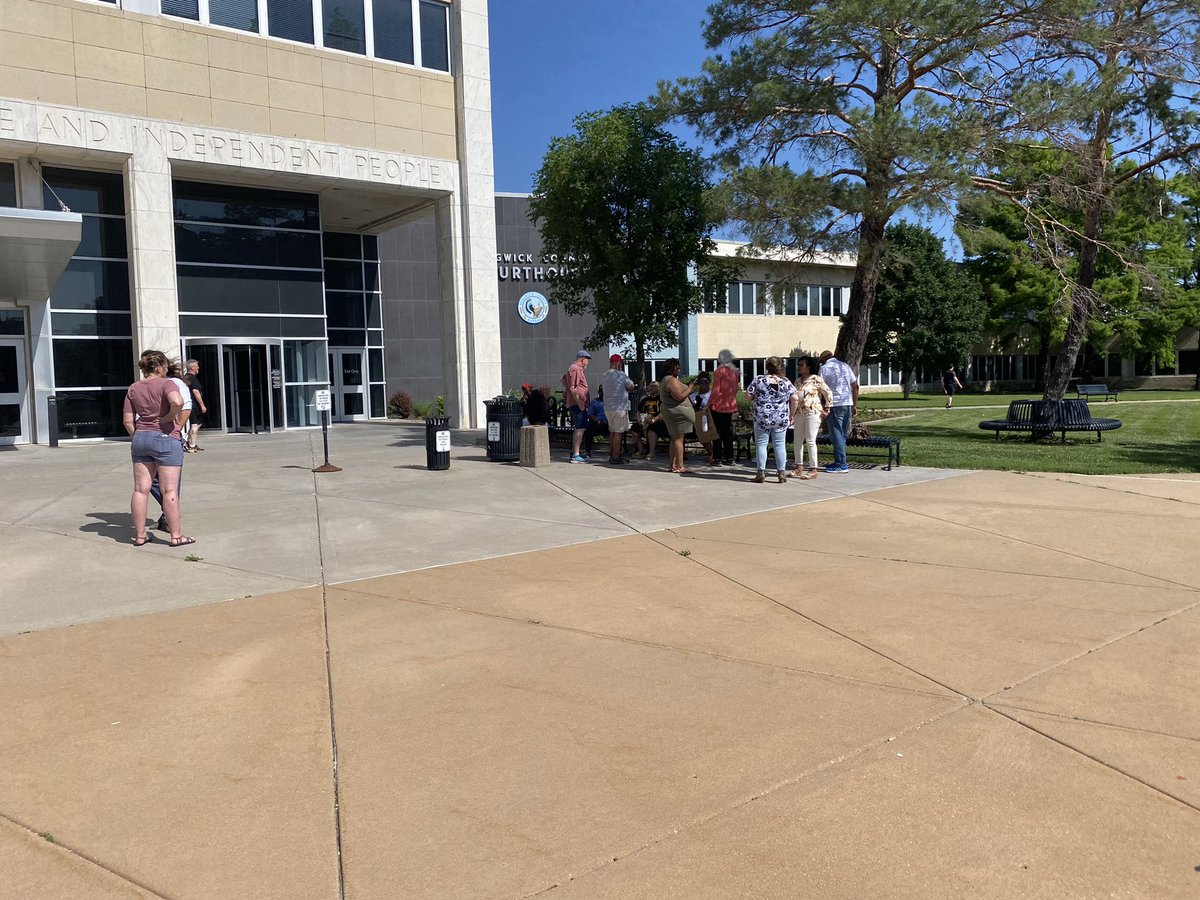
<point>35,247</point>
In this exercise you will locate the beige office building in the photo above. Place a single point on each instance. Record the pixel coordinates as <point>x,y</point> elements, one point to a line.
<point>210,177</point>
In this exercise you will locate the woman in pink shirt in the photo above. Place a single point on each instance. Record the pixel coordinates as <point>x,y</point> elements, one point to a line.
<point>151,417</point>
<point>723,404</point>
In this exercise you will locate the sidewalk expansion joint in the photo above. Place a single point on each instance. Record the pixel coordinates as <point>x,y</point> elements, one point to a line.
<point>1104,487</point>
<point>1083,720</point>
<point>735,805</point>
<point>1190,804</point>
<point>837,554</point>
<point>655,645</point>
<point>816,622</point>
<point>337,806</point>
<point>1019,540</point>
<point>1053,667</point>
<point>90,860</point>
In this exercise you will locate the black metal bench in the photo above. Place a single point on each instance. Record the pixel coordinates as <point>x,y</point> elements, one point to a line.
<point>1044,417</point>
<point>874,442</point>
<point>1074,415</point>
<point>1087,391</point>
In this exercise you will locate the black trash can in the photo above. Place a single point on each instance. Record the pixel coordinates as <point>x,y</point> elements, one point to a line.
<point>504,415</point>
<point>437,443</point>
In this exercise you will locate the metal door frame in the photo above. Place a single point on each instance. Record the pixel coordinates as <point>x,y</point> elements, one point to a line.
<point>21,342</point>
<point>339,389</point>
<point>223,344</point>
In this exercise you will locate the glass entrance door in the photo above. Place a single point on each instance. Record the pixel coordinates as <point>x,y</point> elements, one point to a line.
<point>346,368</point>
<point>246,387</point>
<point>14,392</point>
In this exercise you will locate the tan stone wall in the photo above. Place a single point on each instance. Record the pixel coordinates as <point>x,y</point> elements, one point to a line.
<point>755,337</point>
<point>101,58</point>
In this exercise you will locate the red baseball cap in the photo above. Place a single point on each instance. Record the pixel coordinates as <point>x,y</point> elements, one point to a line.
<point>616,357</point>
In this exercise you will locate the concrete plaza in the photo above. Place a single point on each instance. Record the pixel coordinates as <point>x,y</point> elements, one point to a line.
<point>586,681</point>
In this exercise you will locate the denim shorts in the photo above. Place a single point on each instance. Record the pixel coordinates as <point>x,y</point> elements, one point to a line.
<point>579,417</point>
<point>158,448</point>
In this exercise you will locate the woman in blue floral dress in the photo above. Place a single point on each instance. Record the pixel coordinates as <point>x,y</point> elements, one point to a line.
<point>775,403</point>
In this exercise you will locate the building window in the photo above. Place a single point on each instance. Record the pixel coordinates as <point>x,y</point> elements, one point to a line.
<point>354,308</point>
<point>8,184</point>
<point>394,30</point>
<point>239,14</point>
<point>291,20</point>
<point>90,322</point>
<point>345,25</point>
<point>183,9</point>
<point>435,36</point>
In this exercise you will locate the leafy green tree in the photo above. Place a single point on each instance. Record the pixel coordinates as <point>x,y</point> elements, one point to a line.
<point>1107,89</point>
<point>626,202</point>
<point>832,117</point>
<point>929,312</point>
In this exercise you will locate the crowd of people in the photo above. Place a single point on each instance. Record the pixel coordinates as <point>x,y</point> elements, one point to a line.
<point>163,414</point>
<point>824,395</point>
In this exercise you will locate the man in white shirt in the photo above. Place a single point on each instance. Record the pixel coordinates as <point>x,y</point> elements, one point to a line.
<point>616,386</point>
<point>843,384</point>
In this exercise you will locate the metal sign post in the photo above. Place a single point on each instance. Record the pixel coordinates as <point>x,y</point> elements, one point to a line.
<point>323,402</point>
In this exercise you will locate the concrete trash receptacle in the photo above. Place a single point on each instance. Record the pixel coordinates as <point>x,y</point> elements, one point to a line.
<point>535,446</point>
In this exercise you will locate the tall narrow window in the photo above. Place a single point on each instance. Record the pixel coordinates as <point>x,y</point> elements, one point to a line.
<point>183,9</point>
<point>435,39</point>
<point>8,184</point>
<point>240,14</point>
<point>345,25</point>
<point>291,20</point>
<point>394,30</point>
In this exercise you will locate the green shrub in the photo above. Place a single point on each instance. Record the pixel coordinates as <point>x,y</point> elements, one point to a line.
<point>421,409</point>
<point>400,405</point>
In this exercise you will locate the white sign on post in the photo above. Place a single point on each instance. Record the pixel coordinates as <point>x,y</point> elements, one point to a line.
<point>322,401</point>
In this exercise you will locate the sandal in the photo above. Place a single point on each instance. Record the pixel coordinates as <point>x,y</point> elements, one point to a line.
<point>143,540</point>
<point>182,541</point>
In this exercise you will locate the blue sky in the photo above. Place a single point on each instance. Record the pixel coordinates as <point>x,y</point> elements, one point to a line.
<point>554,60</point>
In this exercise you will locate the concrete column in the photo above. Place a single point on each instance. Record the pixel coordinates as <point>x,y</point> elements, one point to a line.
<point>41,351</point>
<point>477,208</point>
<point>455,307</point>
<point>148,208</point>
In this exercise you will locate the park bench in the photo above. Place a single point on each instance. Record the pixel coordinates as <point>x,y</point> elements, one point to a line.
<point>1074,415</point>
<point>1087,391</point>
<point>1042,417</point>
<point>744,442</point>
<point>891,445</point>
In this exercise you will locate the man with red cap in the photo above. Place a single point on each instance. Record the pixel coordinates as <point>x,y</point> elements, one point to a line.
<point>537,408</point>
<point>616,386</point>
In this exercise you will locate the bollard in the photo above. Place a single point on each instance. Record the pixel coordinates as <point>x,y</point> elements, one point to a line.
<point>327,466</point>
<point>437,443</point>
<point>52,419</point>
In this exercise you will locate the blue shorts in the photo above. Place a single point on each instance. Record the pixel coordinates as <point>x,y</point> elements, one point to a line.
<point>156,447</point>
<point>579,417</point>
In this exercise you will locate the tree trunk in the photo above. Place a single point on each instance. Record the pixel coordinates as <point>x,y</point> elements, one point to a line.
<point>1083,295</point>
<point>852,339</point>
<point>904,376</point>
<point>640,377</point>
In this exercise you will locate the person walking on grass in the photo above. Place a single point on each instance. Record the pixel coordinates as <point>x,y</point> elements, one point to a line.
<point>950,384</point>
<point>775,403</point>
<point>575,389</point>
<point>615,386</point>
<point>815,400</point>
<point>843,384</point>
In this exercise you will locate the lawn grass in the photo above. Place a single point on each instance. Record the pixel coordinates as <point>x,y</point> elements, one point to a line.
<point>1156,437</point>
<point>930,400</point>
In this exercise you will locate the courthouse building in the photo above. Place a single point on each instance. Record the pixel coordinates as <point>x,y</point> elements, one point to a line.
<point>212,178</point>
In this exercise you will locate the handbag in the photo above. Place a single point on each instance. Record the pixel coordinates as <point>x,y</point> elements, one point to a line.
<point>706,426</point>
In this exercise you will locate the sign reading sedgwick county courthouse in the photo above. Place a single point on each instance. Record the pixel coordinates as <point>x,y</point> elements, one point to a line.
<point>47,125</point>
<point>530,266</point>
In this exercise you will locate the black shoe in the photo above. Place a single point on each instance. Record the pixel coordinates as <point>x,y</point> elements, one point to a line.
<point>162,525</point>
